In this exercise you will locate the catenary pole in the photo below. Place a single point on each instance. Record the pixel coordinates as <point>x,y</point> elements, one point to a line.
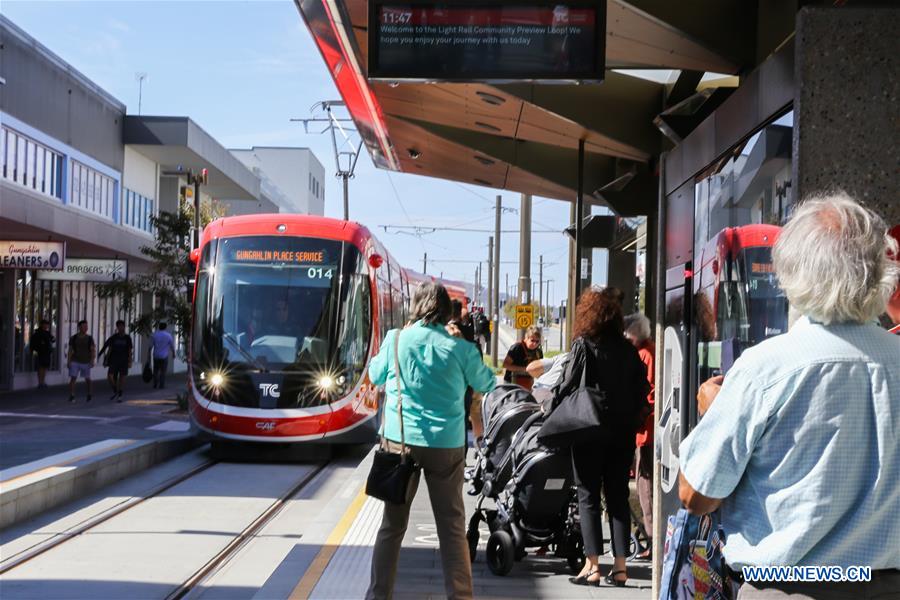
<point>496,315</point>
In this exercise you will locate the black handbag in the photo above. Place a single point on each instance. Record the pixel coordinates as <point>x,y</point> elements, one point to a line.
<point>584,416</point>
<point>147,373</point>
<point>392,474</point>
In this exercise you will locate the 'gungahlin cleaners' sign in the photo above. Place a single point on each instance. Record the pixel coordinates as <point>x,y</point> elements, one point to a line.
<point>32,255</point>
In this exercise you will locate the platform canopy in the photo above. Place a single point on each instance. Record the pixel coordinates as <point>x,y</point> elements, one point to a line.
<point>669,62</point>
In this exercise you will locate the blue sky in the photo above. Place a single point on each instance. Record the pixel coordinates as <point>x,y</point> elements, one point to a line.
<point>242,70</point>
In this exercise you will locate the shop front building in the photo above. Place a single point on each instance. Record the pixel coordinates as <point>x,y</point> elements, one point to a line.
<point>62,297</point>
<point>80,181</point>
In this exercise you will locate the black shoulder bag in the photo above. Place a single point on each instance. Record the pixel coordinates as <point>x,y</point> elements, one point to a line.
<point>584,416</point>
<point>391,473</point>
<point>147,372</point>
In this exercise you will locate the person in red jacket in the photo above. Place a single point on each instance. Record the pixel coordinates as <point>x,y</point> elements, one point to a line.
<point>637,330</point>
<point>893,306</point>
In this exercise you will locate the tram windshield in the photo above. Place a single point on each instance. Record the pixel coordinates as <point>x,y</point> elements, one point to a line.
<point>282,305</point>
<point>766,303</point>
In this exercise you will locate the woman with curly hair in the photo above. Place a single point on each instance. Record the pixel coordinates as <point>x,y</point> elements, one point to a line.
<point>612,364</point>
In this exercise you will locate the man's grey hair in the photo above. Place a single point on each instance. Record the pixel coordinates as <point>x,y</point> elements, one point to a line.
<point>430,304</point>
<point>832,260</point>
<point>637,325</point>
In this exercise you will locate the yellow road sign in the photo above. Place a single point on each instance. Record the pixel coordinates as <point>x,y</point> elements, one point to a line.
<point>524,316</point>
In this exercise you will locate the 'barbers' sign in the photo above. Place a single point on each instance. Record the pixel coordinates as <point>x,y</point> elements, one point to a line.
<point>89,269</point>
<point>32,255</point>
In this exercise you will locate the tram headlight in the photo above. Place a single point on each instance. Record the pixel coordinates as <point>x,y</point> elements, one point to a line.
<point>216,380</point>
<point>326,383</point>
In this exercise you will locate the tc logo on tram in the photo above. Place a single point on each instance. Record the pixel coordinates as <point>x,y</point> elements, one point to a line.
<point>269,389</point>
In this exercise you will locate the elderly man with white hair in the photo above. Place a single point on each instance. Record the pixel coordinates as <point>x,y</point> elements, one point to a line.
<point>801,444</point>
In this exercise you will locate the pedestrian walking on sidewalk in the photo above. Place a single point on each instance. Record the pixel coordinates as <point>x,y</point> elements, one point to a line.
<point>81,359</point>
<point>163,344</point>
<point>602,358</point>
<point>435,368</point>
<point>119,352</point>
<point>799,443</point>
<point>42,345</point>
<point>637,331</point>
<point>520,355</point>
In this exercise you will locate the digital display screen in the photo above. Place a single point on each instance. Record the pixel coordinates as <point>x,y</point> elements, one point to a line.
<point>280,256</point>
<point>465,41</point>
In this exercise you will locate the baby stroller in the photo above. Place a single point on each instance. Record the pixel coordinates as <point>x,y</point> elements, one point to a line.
<point>504,410</point>
<point>535,508</point>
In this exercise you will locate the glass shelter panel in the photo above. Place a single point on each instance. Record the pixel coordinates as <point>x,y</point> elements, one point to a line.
<point>740,204</point>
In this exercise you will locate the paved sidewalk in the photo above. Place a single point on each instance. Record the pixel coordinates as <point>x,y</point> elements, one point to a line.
<point>341,568</point>
<point>420,575</point>
<point>35,424</point>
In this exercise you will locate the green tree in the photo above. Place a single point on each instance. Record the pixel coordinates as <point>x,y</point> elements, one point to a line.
<point>167,280</point>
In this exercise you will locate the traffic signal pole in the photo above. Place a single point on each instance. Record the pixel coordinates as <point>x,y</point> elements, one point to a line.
<point>524,296</point>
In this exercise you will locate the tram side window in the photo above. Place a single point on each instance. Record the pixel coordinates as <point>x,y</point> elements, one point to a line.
<point>384,291</point>
<point>357,324</point>
<point>397,307</point>
<point>200,301</point>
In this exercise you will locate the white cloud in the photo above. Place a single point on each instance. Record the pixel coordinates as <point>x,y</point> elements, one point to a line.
<point>118,25</point>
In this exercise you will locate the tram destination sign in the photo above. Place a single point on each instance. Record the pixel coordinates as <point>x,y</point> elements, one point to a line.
<point>464,40</point>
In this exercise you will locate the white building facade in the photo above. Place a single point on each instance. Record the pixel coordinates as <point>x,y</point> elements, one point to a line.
<point>292,179</point>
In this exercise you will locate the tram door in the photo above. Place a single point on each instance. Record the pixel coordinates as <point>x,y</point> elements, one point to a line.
<point>676,403</point>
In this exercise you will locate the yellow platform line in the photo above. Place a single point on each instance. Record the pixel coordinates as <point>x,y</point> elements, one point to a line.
<point>318,565</point>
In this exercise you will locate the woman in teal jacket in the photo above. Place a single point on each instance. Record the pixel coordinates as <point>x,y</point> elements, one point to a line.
<point>435,369</point>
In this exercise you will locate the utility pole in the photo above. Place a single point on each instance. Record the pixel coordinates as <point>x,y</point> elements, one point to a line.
<point>507,287</point>
<point>541,285</point>
<point>495,337</point>
<point>141,76</point>
<point>196,179</point>
<point>490,283</point>
<point>478,283</point>
<point>475,288</point>
<point>425,263</point>
<point>345,155</point>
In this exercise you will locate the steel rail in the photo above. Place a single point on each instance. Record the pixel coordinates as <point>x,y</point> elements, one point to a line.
<point>244,536</point>
<point>24,556</point>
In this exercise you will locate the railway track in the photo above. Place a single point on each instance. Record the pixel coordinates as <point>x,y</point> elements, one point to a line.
<point>238,541</point>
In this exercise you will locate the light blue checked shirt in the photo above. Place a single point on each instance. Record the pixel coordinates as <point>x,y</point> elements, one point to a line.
<point>803,441</point>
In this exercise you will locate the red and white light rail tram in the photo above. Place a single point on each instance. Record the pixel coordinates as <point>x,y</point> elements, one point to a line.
<point>288,311</point>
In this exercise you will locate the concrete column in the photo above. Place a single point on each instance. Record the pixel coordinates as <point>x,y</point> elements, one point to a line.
<point>621,274</point>
<point>7,327</point>
<point>573,270</point>
<point>524,296</point>
<point>847,80</point>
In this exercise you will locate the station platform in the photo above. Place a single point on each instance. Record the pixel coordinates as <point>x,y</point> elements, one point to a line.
<point>36,424</point>
<point>53,451</point>
<point>335,564</point>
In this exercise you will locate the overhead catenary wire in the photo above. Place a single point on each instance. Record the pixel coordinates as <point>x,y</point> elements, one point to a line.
<point>402,207</point>
<point>425,230</point>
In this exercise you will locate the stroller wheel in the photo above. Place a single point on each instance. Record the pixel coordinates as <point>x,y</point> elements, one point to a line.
<point>473,536</point>
<point>500,552</point>
<point>634,547</point>
<point>575,562</point>
<point>575,559</point>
